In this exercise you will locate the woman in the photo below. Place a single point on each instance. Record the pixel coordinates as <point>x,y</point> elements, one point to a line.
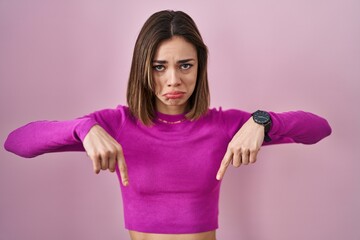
<point>169,150</point>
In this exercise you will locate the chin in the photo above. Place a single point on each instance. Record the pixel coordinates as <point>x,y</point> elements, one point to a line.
<point>175,102</point>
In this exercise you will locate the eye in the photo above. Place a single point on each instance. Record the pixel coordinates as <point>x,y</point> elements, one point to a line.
<point>159,68</point>
<point>185,66</point>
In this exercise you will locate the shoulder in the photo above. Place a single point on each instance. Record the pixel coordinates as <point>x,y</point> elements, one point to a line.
<point>224,114</point>
<point>111,113</point>
<point>229,120</point>
<point>111,117</point>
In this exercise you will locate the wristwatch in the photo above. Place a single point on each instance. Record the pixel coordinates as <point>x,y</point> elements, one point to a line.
<point>263,118</point>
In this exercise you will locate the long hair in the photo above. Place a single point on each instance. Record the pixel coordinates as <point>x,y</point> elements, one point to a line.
<point>140,91</point>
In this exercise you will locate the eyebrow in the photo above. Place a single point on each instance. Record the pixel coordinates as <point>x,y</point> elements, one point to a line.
<point>180,61</point>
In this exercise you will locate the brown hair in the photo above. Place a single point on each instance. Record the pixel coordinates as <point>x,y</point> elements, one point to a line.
<point>140,91</point>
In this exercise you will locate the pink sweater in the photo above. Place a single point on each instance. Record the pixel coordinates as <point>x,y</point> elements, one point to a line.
<point>172,167</point>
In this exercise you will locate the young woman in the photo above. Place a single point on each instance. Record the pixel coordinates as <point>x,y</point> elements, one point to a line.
<point>169,150</point>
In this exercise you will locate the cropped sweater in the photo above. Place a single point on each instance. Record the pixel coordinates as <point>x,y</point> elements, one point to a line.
<point>172,167</point>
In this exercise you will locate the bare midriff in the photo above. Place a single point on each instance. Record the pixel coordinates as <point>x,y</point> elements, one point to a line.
<point>211,235</point>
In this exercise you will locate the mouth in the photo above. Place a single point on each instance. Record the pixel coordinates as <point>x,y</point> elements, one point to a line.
<point>174,95</point>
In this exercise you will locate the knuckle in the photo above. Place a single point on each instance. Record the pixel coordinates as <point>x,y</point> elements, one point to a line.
<point>105,153</point>
<point>245,150</point>
<point>117,147</point>
<point>112,150</point>
<point>93,155</point>
<point>235,148</point>
<point>237,165</point>
<point>253,151</point>
<point>100,153</point>
<point>239,148</point>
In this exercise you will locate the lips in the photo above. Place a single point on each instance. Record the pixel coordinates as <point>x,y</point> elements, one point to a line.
<point>174,95</point>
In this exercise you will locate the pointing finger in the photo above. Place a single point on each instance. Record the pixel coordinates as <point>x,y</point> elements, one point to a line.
<point>224,165</point>
<point>123,169</point>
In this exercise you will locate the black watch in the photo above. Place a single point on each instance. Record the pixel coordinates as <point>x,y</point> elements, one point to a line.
<point>263,118</point>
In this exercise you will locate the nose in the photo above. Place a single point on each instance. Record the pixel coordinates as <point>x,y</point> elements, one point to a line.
<point>173,78</point>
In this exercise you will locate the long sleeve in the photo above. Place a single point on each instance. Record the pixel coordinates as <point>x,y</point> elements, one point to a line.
<point>41,137</point>
<point>287,127</point>
<point>299,127</point>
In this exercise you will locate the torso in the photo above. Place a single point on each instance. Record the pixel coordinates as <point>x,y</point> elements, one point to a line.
<point>172,176</point>
<point>173,190</point>
<point>211,235</point>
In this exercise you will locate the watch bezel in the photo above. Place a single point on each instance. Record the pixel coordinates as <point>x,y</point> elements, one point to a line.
<point>264,120</point>
<point>261,117</point>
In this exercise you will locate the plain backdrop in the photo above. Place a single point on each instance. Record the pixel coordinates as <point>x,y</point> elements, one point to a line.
<point>63,59</point>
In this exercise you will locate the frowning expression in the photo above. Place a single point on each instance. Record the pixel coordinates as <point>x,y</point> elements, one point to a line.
<point>174,69</point>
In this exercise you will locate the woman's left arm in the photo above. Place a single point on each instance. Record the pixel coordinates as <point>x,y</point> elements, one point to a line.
<point>289,127</point>
<point>297,126</point>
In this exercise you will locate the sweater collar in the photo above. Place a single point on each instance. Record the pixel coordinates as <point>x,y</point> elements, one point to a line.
<point>169,118</point>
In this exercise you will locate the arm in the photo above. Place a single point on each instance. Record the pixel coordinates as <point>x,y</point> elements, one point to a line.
<point>288,127</point>
<point>41,137</point>
<point>94,133</point>
<point>298,127</point>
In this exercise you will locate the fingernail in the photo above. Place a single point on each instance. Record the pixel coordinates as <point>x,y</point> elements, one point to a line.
<point>218,177</point>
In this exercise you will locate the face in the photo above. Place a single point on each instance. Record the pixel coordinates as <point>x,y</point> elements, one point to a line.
<point>174,70</point>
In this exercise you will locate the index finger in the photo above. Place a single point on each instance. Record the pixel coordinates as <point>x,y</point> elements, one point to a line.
<point>122,169</point>
<point>224,164</point>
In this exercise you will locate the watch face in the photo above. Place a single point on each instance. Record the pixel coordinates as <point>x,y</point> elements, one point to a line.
<point>261,117</point>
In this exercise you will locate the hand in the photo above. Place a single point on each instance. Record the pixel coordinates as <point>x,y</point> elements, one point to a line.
<point>104,151</point>
<point>244,147</point>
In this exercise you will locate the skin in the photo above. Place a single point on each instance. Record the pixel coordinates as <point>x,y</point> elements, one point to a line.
<point>175,67</point>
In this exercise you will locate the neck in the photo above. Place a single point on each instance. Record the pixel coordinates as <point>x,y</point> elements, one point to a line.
<point>171,110</point>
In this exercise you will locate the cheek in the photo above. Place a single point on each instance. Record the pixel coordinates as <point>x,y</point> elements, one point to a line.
<point>192,80</point>
<point>157,85</point>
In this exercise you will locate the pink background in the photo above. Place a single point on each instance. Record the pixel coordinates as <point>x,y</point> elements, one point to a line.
<point>63,59</point>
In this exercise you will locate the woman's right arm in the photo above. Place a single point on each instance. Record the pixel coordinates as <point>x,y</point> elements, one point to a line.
<point>94,133</point>
<point>41,137</point>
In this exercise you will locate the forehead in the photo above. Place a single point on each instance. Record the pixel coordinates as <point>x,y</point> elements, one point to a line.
<point>175,48</point>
